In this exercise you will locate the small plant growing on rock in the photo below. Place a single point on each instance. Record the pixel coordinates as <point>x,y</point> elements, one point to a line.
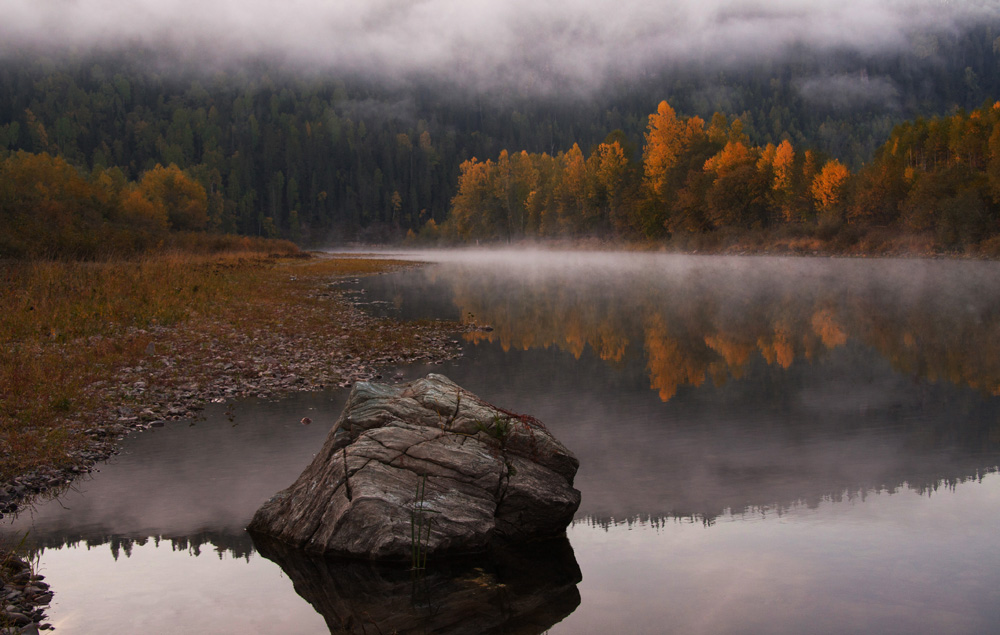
<point>499,429</point>
<point>420,527</point>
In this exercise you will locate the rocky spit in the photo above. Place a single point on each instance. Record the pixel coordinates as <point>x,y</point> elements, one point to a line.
<point>182,371</point>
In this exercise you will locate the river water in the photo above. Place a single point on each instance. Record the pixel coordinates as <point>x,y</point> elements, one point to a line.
<point>766,445</point>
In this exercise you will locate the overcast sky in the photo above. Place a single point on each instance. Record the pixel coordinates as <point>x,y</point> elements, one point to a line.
<point>481,41</point>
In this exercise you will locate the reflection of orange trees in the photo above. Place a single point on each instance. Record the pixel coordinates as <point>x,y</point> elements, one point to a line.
<point>575,337</point>
<point>825,325</point>
<point>605,339</point>
<point>678,361</point>
<point>734,351</point>
<point>708,349</point>
<point>669,365</point>
<point>776,347</point>
<point>610,345</point>
<point>688,342</point>
<point>478,337</point>
<point>546,317</point>
<point>948,346</point>
<point>681,347</point>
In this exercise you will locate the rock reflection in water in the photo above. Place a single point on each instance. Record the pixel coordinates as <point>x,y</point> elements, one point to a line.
<point>524,590</point>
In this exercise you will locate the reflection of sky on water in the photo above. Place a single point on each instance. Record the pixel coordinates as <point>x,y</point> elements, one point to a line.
<point>757,504</point>
<point>159,591</point>
<point>183,480</point>
<point>899,563</point>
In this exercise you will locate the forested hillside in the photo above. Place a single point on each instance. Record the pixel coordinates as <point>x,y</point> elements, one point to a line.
<point>317,158</point>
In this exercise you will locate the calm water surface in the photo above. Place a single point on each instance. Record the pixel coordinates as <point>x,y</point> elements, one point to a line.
<point>766,445</point>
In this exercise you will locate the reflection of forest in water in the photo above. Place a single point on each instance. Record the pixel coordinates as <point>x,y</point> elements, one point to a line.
<point>208,543</point>
<point>842,429</point>
<point>938,321</point>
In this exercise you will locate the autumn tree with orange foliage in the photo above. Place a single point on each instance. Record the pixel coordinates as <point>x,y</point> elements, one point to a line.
<point>938,177</point>
<point>737,196</point>
<point>182,199</point>
<point>473,209</point>
<point>664,144</point>
<point>607,170</point>
<point>828,190</point>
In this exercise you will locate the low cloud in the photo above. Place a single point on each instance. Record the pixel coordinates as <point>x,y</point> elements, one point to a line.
<point>533,44</point>
<point>838,92</point>
<point>404,110</point>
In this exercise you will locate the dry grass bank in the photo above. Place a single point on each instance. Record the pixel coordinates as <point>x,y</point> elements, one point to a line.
<point>80,340</point>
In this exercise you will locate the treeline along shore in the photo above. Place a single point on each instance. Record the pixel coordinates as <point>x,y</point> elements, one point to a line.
<point>933,187</point>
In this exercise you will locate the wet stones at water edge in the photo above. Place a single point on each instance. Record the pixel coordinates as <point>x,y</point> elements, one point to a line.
<point>424,469</point>
<point>23,596</point>
<point>47,481</point>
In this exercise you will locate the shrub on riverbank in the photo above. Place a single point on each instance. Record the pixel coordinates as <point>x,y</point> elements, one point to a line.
<point>51,209</point>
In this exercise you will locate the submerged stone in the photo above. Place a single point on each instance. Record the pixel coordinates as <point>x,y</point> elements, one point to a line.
<point>424,469</point>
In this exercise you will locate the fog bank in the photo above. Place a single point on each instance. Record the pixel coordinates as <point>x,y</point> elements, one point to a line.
<point>530,44</point>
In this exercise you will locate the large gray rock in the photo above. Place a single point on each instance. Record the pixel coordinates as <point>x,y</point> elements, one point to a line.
<point>425,454</point>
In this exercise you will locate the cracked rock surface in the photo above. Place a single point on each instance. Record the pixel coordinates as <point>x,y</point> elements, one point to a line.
<point>429,455</point>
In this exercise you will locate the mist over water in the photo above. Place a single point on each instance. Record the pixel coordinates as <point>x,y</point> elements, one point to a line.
<point>954,287</point>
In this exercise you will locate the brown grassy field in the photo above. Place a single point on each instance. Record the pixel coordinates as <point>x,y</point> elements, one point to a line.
<point>68,329</point>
